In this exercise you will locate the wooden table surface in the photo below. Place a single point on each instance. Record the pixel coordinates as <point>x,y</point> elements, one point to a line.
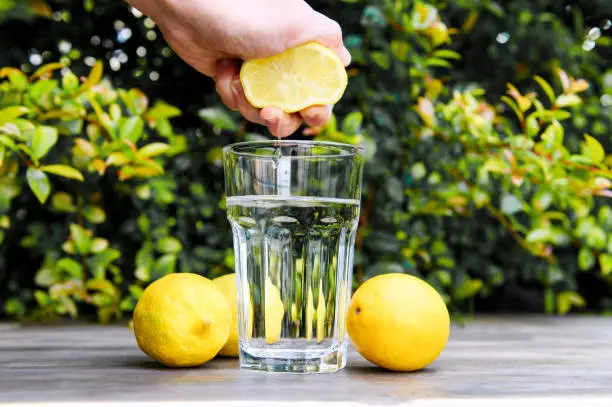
<point>513,361</point>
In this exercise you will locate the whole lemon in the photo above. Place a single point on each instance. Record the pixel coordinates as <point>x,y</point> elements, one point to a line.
<point>274,313</point>
<point>398,322</point>
<point>227,285</point>
<point>182,320</point>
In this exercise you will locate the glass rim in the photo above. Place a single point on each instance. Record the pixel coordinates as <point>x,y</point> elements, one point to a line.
<point>349,150</point>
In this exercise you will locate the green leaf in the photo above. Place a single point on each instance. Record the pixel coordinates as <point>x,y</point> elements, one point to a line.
<point>510,204</point>
<point>153,149</point>
<point>219,118</point>
<point>45,277</point>
<point>63,171</point>
<point>18,79</point>
<point>546,88</point>
<point>164,265</point>
<point>381,59</point>
<point>99,245</point>
<point>163,110</point>
<point>568,100</point>
<point>81,238</point>
<point>44,138</point>
<point>352,123</point>
<point>38,183</point>
<point>400,49</point>
<point>48,68</point>
<point>468,289</point>
<point>71,267</point>
<point>586,259</point>
<point>568,299</point>
<point>42,298</point>
<point>593,149</point>
<point>510,102</point>
<point>605,262</point>
<point>15,308</point>
<point>9,113</point>
<point>540,235</point>
<point>94,214</point>
<point>169,244</point>
<point>437,62</point>
<point>62,201</point>
<point>70,81</point>
<point>95,75</point>
<point>132,129</point>
<point>447,53</point>
<point>7,142</point>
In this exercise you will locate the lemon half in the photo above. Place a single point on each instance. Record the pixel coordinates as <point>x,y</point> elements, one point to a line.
<point>307,75</point>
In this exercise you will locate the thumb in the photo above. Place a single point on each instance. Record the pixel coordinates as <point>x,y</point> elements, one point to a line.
<point>325,31</point>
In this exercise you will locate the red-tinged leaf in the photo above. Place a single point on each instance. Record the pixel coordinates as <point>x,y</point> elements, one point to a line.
<point>99,165</point>
<point>579,86</point>
<point>40,8</point>
<point>517,179</point>
<point>604,192</point>
<point>565,80</point>
<point>47,69</point>
<point>426,110</point>
<point>130,144</point>
<point>137,172</point>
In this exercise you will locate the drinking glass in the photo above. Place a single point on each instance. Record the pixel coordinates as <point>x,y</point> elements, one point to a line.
<point>294,209</point>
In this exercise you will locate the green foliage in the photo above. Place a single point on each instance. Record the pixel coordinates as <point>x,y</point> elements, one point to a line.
<point>488,164</point>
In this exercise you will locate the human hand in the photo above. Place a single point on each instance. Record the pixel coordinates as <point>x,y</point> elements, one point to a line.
<point>215,37</point>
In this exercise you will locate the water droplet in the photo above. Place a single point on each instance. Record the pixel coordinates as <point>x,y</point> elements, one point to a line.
<point>114,63</point>
<point>149,23</point>
<point>95,40</point>
<point>118,25</point>
<point>123,58</point>
<point>89,61</point>
<point>107,43</point>
<point>166,52</point>
<point>154,75</point>
<point>151,35</point>
<point>594,33</point>
<point>123,35</point>
<point>141,51</point>
<point>135,12</point>
<point>36,59</point>
<point>588,45</point>
<point>607,24</point>
<point>64,46</point>
<point>606,100</point>
<point>503,37</point>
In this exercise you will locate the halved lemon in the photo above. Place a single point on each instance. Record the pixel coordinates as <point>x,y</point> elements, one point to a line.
<point>307,75</point>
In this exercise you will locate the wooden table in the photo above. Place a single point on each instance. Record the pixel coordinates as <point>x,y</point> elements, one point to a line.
<point>491,362</point>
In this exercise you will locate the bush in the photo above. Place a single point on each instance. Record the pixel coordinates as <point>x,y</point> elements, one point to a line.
<point>482,188</point>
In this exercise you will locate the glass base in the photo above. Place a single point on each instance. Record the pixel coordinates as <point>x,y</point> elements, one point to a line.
<point>275,360</point>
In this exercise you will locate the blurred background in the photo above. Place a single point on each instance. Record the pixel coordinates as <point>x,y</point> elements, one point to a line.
<point>487,128</point>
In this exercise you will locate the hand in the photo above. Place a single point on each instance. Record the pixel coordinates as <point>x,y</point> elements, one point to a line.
<point>215,36</point>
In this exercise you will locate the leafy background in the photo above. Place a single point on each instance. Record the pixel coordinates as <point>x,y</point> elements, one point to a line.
<point>486,126</point>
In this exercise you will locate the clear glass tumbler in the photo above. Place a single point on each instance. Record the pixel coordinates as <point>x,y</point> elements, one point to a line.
<point>294,210</point>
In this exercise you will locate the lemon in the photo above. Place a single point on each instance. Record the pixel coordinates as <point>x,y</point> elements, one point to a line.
<point>182,320</point>
<point>274,313</point>
<point>227,285</point>
<point>398,322</point>
<point>306,75</point>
